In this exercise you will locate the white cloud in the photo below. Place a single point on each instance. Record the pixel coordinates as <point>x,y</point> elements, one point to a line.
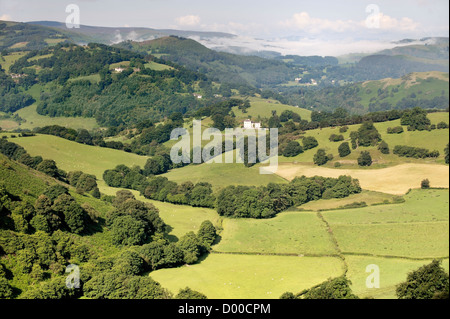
<point>189,20</point>
<point>303,21</point>
<point>403,24</point>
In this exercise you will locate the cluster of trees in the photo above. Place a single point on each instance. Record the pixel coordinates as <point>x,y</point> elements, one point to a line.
<point>133,222</point>
<point>428,282</point>
<point>289,115</point>
<point>118,98</point>
<point>53,210</point>
<point>267,201</point>
<point>38,257</point>
<point>321,157</point>
<point>335,288</point>
<point>336,138</point>
<point>65,61</point>
<point>366,135</point>
<point>365,159</point>
<point>395,130</point>
<point>415,152</point>
<point>84,183</point>
<point>344,149</point>
<point>12,97</point>
<point>292,148</point>
<point>416,119</point>
<point>160,188</point>
<point>121,277</point>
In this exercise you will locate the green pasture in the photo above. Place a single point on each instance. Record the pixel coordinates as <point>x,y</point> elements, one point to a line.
<point>227,276</point>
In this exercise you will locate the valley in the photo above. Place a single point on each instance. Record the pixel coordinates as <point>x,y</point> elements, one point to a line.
<point>87,176</point>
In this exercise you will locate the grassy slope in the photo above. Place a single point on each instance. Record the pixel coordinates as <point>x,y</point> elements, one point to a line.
<point>262,107</point>
<point>33,119</point>
<point>71,156</point>
<point>425,85</point>
<point>434,140</point>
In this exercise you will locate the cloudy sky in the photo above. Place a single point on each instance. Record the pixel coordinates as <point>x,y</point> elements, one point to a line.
<point>279,20</point>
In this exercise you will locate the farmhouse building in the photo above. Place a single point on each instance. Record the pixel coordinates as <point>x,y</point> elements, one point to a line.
<point>248,124</point>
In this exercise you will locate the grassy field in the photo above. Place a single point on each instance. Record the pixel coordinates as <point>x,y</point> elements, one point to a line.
<point>263,108</point>
<point>183,219</point>
<point>395,180</point>
<point>10,59</point>
<point>368,197</point>
<point>288,233</point>
<point>222,175</point>
<point>157,66</point>
<point>71,156</point>
<point>225,276</point>
<point>393,271</point>
<point>418,228</point>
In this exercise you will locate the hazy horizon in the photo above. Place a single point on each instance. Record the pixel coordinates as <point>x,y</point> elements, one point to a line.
<point>287,26</point>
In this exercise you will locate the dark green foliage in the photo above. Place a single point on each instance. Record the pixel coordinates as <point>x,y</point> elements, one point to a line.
<point>207,233</point>
<point>442,125</point>
<point>428,282</point>
<point>118,98</point>
<point>113,284</point>
<point>157,165</point>
<point>60,131</point>
<point>365,159</point>
<point>133,222</point>
<point>6,291</point>
<point>336,138</point>
<point>191,246</point>
<point>367,135</point>
<point>395,130</point>
<point>84,182</point>
<point>129,263</point>
<point>415,119</point>
<point>160,188</point>
<point>425,184</point>
<point>344,149</point>
<point>128,231</point>
<point>292,149</point>
<point>187,293</point>
<point>54,191</point>
<point>337,288</point>
<point>309,142</point>
<point>321,157</point>
<point>52,290</point>
<point>84,137</point>
<point>48,167</point>
<point>266,202</point>
<point>415,152</point>
<point>384,148</point>
<point>289,115</point>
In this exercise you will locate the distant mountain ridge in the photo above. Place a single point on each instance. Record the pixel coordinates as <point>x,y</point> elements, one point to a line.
<point>111,35</point>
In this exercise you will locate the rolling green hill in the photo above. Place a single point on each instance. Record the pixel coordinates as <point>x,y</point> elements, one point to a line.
<point>225,67</point>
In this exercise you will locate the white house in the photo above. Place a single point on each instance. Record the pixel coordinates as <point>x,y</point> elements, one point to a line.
<point>248,124</point>
<point>119,70</point>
